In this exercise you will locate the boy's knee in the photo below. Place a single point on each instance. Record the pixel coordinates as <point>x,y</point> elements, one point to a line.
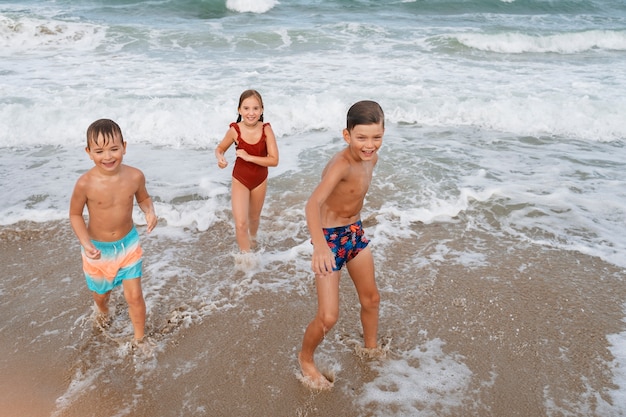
<point>134,297</point>
<point>328,320</point>
<point>101,298</point>
<point>371,301</point>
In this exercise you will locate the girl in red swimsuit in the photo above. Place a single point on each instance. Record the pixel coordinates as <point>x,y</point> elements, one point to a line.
<point>256,150</point>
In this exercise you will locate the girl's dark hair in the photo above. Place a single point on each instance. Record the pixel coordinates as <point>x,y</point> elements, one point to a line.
<point>106,128</point>
<point>365,112</point>
<point>245,95</point>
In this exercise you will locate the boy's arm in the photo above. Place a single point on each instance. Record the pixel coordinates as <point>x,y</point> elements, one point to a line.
<point>77,221</point>
<point>145,203</point>
<point>148,209</point>
<point>229,138</point>
<point>323,260</point>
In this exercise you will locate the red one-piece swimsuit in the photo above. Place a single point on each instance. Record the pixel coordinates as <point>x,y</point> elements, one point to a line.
<point>248,173</point>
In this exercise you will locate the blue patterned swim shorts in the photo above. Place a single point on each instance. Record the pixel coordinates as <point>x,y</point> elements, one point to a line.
<point>346,242</point>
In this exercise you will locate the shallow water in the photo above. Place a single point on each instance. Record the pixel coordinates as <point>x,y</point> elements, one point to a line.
<point>496,212</point>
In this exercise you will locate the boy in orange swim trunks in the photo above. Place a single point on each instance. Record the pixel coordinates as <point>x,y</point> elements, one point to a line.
<point>333,214</point>
<point>110,246</point>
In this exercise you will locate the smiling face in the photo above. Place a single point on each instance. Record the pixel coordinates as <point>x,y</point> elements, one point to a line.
<point>364,140</point>
<point>250,110</point>
<point>107,151</point>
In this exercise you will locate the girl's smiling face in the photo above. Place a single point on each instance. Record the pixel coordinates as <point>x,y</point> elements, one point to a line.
<point>250,110</point>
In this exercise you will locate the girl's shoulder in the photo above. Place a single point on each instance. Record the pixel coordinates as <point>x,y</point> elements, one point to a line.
<point>267,128</point>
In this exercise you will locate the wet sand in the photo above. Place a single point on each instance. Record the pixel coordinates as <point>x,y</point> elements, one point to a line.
<point>530,324</point>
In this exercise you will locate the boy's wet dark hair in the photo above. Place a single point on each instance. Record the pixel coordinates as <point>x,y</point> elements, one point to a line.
<point>245,95</point>
<point>106,128</point>
<point>365,112</point>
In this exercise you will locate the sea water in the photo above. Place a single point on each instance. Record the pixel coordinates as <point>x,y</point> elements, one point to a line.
<point>508,114</point>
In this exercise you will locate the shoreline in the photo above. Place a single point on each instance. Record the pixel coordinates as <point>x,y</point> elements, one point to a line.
<point>527,328</point>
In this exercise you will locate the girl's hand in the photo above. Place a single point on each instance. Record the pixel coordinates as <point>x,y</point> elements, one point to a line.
<point>222,162</point>
<point>243,154</point>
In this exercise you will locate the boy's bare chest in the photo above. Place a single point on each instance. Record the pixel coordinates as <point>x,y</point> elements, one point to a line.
<point>110,196</point>
<point>355,186</point>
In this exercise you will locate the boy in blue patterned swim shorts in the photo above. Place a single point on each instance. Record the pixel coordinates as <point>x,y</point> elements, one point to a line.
<point>333,215</point>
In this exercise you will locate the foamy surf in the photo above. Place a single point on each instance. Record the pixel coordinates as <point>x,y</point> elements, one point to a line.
<point>496,202</point>
<point>253,6</point>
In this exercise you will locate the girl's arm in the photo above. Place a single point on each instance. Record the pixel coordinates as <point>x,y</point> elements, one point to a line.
<point>229,138</point>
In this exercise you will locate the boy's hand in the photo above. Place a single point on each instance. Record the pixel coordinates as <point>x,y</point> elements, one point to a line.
<point>91,252</point>
<point>151,220</point>
<point>323,260</point>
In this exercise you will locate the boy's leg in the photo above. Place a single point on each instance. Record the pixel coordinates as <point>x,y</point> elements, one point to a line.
<point>325,318</point>
<point>102,301</point>
<point>257,198</point>
<point>136,305</point>
<point>240,200</point>
<point>361,270</point>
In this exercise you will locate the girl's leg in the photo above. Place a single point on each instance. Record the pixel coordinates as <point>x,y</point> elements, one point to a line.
<point>257,198</point>
<point>241,207</point>
<point>361,270</point>
<point>325,319</point>
<point>136,305</point>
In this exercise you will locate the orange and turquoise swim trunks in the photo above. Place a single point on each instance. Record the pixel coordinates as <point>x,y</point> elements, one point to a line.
<point>118,261</point>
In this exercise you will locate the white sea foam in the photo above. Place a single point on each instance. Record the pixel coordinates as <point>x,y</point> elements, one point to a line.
<point>79,384</point>
<point>254,6</point>
<point>23,35</point>
<point>563,43</point>
<point>517,132</point>
<point>425,382</point>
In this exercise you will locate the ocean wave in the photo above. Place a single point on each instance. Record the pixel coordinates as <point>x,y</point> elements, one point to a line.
<point>562,43</point>
<point>253,6</point>
<point>23,34</point>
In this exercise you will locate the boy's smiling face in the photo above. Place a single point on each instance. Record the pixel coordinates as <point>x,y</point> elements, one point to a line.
<point>364,140</point>
<point>107,152</point>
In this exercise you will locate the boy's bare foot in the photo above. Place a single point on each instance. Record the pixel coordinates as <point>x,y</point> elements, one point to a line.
<point>102,320</point>
<point>311,376</point>
<point>378,352</point>
<point>143,346</point>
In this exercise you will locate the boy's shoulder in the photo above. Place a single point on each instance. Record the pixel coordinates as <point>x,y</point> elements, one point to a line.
<point>131,172</point>
<point>130,168</point>
<point>338,161</point>
<point>87,175</point>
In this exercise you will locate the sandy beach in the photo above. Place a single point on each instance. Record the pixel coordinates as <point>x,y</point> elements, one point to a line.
<point>496,212</point>
<point>532,322</point>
